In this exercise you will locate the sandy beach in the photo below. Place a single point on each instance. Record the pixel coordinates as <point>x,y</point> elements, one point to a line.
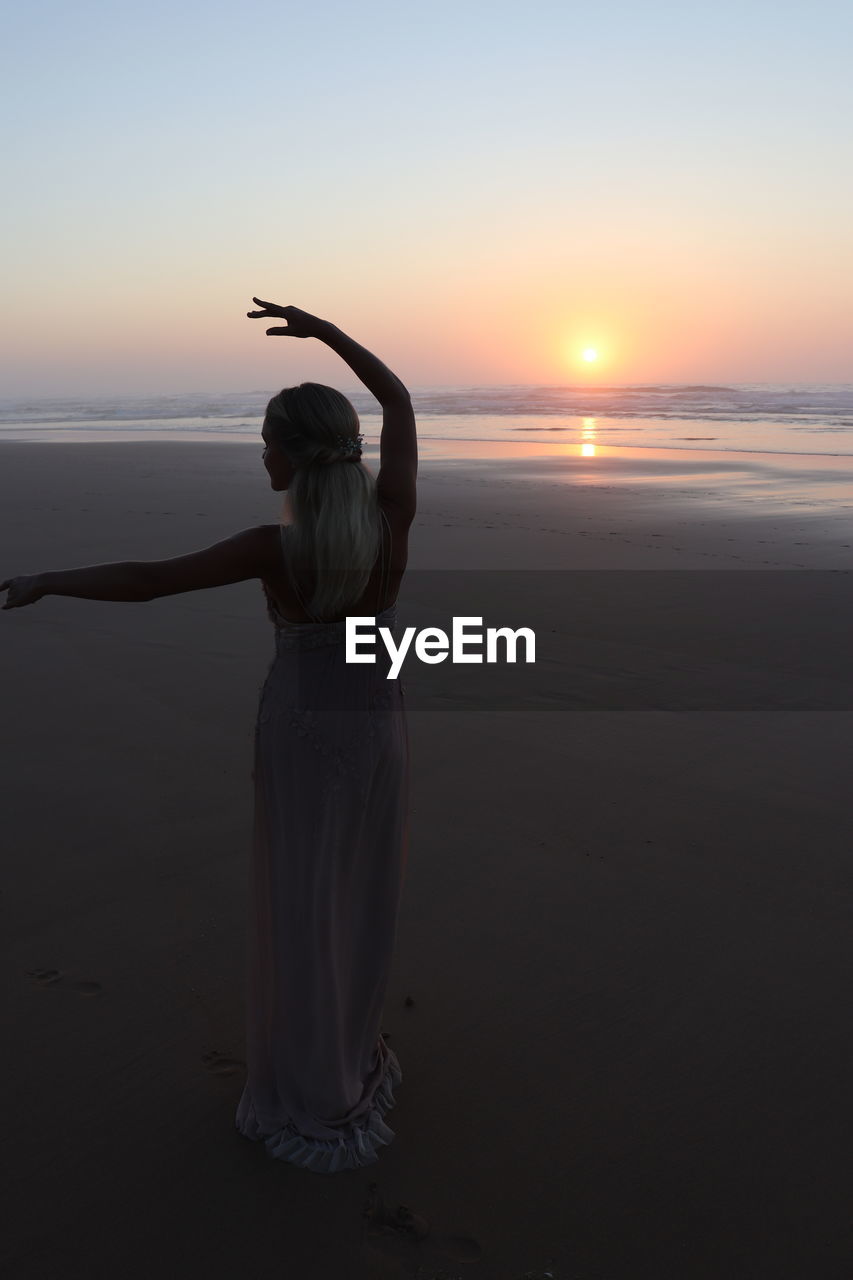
<point>619,999</point>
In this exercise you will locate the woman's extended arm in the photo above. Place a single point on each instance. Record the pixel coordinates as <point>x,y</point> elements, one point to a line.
<point>119,580</point>
<point>244,555</point>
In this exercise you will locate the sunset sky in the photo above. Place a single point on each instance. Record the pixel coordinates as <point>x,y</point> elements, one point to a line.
<point>477,191</point>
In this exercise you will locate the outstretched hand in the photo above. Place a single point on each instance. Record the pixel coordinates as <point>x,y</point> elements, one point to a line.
<point>300,324</point>
<point>25,590</point>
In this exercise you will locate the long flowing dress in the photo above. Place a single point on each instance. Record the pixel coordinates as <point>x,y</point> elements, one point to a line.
<point>330,842</point>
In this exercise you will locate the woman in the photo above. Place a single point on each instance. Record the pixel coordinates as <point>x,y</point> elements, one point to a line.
<point>331,764</point>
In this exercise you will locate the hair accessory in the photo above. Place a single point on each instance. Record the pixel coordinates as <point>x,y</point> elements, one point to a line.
<point>350,445</point>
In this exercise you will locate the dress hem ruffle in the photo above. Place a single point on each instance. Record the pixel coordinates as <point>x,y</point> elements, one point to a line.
<point>319,1155</point>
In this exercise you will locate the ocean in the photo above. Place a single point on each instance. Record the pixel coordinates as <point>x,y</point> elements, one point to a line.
<point>736,418</point>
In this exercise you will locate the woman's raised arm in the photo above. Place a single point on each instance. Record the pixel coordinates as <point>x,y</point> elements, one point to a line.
<point>398,445</point>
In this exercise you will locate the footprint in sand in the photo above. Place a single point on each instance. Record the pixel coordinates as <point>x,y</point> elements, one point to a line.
<point>45,977</point>
<point>49,977</point>
<point>217,1065</point>
<point>87,988</point>
<point>403,1233</point>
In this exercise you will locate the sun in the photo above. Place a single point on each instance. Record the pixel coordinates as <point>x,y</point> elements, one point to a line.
<point>590,355</point>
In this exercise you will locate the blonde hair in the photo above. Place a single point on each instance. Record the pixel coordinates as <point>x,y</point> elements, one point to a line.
<point>334,534</point>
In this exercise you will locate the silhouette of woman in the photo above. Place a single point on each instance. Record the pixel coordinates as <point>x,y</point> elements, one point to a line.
<point>331,757</point>
<point>331,775</point>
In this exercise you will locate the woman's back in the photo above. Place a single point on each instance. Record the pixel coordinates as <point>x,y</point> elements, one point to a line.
<point>288,590</point>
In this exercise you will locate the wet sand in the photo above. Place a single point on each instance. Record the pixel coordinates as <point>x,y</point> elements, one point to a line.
<point>619,999</point>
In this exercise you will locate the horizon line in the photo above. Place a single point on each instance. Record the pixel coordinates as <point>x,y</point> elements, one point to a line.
<point>437,386</point>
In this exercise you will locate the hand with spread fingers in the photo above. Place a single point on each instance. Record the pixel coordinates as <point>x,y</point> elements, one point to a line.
<point>300,324</point>
<point>24,590</point>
